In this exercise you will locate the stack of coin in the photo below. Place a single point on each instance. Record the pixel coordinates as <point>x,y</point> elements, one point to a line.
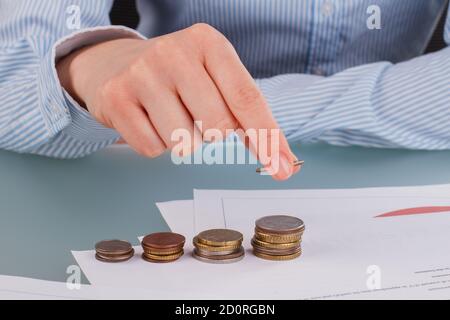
<point>218,246</point>
<point>278,237</point>
<point>113,250</point>
<point>162,247</point>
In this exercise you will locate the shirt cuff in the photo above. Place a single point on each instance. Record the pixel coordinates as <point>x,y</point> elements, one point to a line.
<point>64,113</point>
<point>281,93</point>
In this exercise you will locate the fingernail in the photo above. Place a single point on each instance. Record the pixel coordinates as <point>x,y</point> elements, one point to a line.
<point>297,168</point>
<point>285,166</point>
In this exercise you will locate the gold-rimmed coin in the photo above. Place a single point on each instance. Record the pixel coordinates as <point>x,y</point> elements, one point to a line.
<point>272,238</point>
<point>166,258</point>
<point>276,252</point>
<point>277,258</point>
<point>281,246</point>
<point>220,237</point>
<point>161,252</point>
<point>206,247</point>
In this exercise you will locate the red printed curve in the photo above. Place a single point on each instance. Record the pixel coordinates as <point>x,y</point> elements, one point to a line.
<point>418,210</point>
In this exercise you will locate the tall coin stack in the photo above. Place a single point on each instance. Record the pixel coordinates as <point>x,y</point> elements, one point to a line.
<point>113,251</point>
<point>163,247</point>
<point>278,237</point>
<point>218,246</point>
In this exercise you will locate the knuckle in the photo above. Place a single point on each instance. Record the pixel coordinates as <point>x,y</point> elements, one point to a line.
<point>225,125</point>
<point>165,53</point>
<point>202,29</point>
<point>205,32</point>
<point>220,129</point>
<point>139,67</point>
<point>108,89</point>
<point>248,99</point>
<point>162,47</point>
<point>110,92</point>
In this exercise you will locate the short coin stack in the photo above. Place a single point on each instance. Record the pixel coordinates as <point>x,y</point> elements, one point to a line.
<point>278,237</point>
<point>218,246</point>
<point>163,247</point>
<point>113,251</point>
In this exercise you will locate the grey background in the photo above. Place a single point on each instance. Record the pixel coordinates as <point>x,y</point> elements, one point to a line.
<point>49,207</point>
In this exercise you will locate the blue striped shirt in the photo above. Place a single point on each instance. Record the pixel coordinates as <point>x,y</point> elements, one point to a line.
<point>326,75</point>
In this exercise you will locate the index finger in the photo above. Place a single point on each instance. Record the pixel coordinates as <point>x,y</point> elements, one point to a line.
<point>249,107</point>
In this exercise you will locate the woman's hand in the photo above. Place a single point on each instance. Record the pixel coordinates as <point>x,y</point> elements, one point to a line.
<point>146,89</point>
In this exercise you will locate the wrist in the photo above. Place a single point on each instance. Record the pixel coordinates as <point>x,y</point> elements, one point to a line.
<point>66,68</point>
<point>83,70</point>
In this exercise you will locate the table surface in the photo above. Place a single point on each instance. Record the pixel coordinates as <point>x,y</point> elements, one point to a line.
<point>49,207</point>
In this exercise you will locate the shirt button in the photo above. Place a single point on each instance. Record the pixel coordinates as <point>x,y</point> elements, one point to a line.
<point>56,110</point>
<point>327,8</point>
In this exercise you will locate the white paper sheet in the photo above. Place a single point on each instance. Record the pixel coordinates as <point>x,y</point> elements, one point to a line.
<point>334,264</point>
<point>21,288</point>
<point>343,238</point>
<point>179,215</point>
<point>208,205</point>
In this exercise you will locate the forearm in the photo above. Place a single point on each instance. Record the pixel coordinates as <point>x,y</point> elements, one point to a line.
<point>37,115</point>
<point>379,105</point>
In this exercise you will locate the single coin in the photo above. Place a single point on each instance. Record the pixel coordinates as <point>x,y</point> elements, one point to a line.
<point>279,224</point>
<point>163,240</point>
<point>296,163</point>
<point>113,247</point>
<point>226,261</point>
<point>220,237</point>
<point>216,253</point>
<point>276,252</point>
<point>237,254</point>
<point>119,258</point>
<point>156,258</point>
<point>278,238</point>
<point>269,245</point>
<point>277,258</point>
<point>202,246</point>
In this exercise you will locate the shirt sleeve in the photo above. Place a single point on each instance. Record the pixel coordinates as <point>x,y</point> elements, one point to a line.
<point>36,114</point>
<point>403,105</point>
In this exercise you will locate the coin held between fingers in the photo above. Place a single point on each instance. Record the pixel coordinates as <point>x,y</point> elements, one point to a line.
<point>296,163</point>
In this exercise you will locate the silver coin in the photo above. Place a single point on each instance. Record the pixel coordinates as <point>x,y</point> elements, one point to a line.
<point>120,258</point>
<point>225,261</point>
<point>279,224</point>
<point>216,253</point>
<point>236,254</point>
<point>116,247</point>
<point>296,163</point>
